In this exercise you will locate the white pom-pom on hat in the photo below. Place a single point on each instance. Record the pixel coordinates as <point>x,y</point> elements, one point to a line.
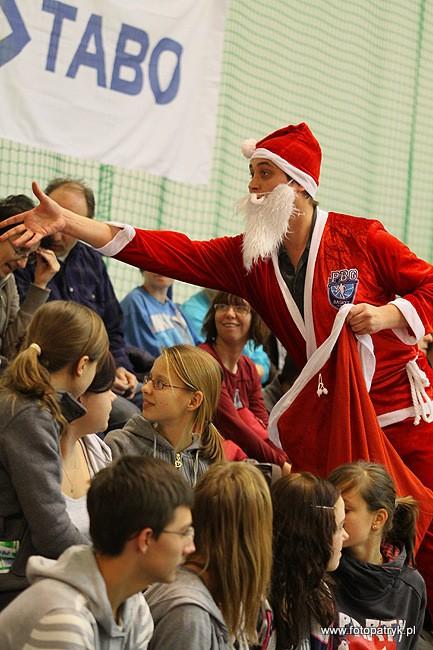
<point>248,147</point>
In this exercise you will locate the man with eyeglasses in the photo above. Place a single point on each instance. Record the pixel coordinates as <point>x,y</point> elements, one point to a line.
<point>141,529</point>
<point>13,318</point>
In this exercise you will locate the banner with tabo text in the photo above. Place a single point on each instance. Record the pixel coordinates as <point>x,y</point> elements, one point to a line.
<point>123,82</point>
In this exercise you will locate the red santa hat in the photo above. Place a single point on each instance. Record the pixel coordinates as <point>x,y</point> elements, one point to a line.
<point>295,150</point>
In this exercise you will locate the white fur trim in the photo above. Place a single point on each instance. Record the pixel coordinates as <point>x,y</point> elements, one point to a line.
<point>248,147</point>
<point>307,181</point>
<point>414,322</point>
<point>319,226</point>
<point>395,416</point>
<point>367,356</point>
<point>119,241</point>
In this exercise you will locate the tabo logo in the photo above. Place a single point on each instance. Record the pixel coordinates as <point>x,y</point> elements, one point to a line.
<point>13,43</point>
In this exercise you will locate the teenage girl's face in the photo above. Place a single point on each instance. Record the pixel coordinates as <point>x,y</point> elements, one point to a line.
<point>170,403</point>
<point>359,519</point>
<point>340,536</point>
<point>98,407</point>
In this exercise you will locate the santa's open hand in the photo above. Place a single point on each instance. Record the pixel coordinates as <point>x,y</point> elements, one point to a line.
<point>32,225</point>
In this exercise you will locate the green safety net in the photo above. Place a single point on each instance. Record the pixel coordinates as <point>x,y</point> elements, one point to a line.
<point>359,73</point>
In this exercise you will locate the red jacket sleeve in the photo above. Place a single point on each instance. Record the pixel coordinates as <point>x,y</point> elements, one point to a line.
<point>231,426</point>
<point>401,272</point>
<point>256,402</point>
<point>216,263</point>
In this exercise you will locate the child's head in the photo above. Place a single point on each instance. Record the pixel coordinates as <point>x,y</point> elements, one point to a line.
<point>141,507</point>
<point>232,517</point>
<point>64,339</point>
<point>373,511</point>
<point>185,386</point>
<point>98,398</point>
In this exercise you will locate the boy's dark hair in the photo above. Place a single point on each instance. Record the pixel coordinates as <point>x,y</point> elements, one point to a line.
<point>12,205</point>
<point>79,186</point>
<point>257,331</point>
<point>133,493</point>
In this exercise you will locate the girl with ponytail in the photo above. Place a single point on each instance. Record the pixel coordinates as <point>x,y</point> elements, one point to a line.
<point>377,580</point>
<point>63,346</point>
<point>180,396</point>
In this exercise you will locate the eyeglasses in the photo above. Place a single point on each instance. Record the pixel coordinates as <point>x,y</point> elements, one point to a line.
<point>158,384</point>
<point>188,532</point>
<point>21,251</point>
<point>241,310</point>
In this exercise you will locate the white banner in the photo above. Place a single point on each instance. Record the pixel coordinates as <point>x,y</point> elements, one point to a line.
<point>124,82</point>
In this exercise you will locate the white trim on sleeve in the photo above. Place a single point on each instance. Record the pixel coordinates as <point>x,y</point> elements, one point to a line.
<point>119,241</point>
<point>413,320</point>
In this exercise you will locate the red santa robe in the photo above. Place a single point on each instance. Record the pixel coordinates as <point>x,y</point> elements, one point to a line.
<point>351,260</point>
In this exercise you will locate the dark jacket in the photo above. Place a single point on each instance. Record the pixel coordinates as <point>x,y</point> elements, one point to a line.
<point>83,277</point>
<point>390,595</point>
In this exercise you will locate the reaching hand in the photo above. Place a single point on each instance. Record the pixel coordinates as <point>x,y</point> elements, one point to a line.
<point>46,267</point>
<point>45,219</point>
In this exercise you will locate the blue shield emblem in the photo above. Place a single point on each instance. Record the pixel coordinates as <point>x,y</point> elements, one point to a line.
<point>342,286</point>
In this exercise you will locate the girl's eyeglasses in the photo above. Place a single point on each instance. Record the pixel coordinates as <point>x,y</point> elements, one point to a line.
<point>241,310</point>
<point>158,384</point>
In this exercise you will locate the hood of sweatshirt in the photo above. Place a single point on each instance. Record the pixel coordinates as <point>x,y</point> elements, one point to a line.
<point>77,568</point>
<point>369,581</point>
<point>147,432</point>
<point>187,589</point>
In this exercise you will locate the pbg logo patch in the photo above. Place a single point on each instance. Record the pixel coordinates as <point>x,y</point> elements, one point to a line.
<point>13,43</point>
<point>342,286</point>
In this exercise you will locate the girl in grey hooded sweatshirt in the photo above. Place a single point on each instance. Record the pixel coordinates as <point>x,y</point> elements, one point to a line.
<point>180,396</point>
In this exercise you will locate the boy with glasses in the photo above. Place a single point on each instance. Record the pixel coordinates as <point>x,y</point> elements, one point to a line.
<point>141,529</point>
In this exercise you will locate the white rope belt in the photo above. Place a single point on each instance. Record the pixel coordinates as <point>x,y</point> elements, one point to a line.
<point>422,403</point>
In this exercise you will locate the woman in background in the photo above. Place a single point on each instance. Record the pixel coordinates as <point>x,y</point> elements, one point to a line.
<point>180,396</point>
<point>219,595</point>
<point>308,537</point>
<point>241,416</point>
<point>376,579</point>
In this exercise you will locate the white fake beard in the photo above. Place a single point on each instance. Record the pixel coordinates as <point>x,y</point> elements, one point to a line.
<point>267,222</point>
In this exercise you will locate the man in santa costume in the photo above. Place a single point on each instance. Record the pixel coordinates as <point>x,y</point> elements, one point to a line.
<point>300,267</point>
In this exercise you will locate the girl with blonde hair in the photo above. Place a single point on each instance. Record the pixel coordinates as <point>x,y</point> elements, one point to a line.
<point>377,579</point>
<point>218,596</point>
<point>180,396</point>
<point>64,343</point>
